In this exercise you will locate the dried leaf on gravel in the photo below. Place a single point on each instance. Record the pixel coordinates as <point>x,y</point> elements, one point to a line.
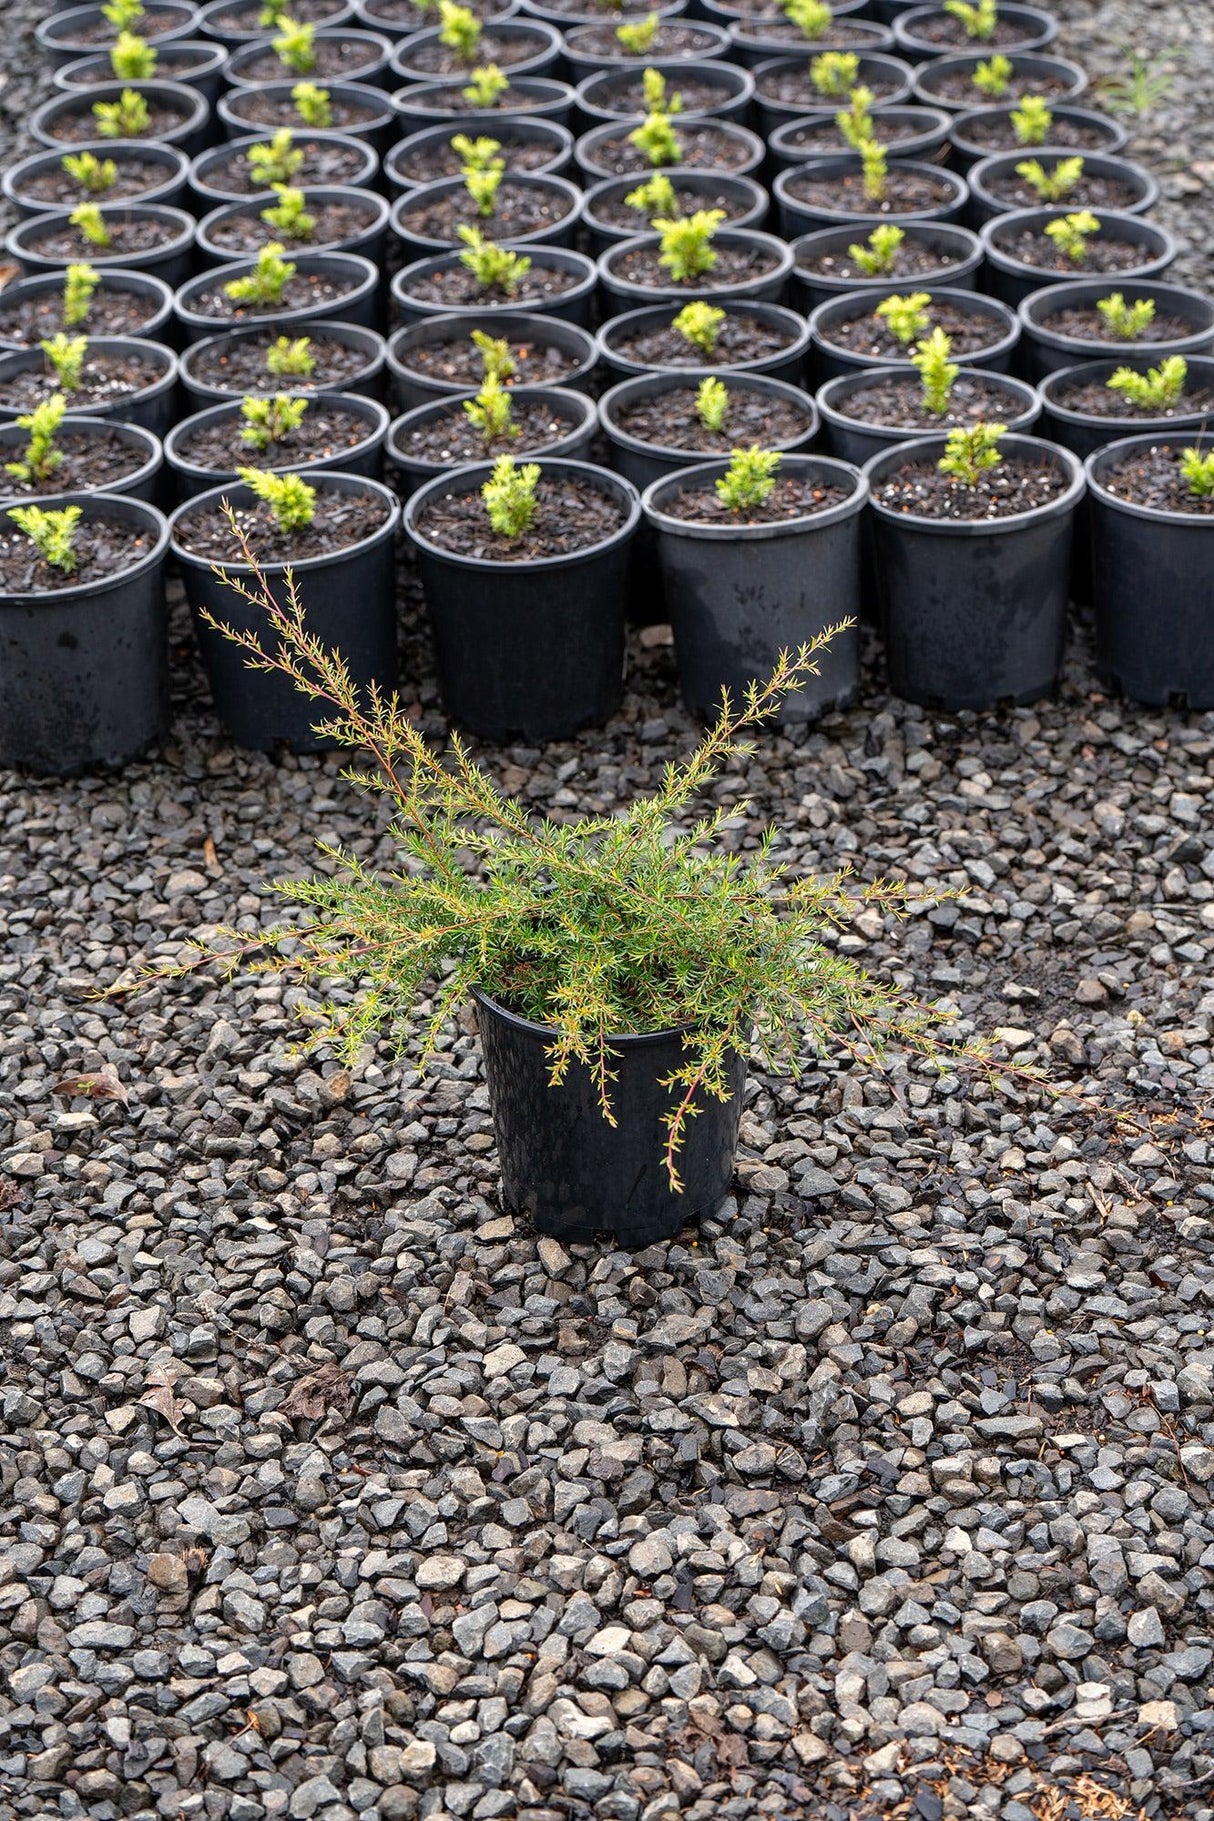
<point>325,1389</point>
<point>159,1397</point>
<point>104,1085</point>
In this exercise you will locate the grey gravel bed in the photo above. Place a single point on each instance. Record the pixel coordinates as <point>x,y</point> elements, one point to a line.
<point>328,1490</point>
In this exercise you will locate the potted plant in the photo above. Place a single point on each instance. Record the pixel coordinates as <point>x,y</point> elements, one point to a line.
<point>1050,179</point>
<point>516,207</point>
<point>48,450</point>
<point>355,110</point>
<point>809,26</point>
<point>905,132</point>
<point>157,239</point>
<point>320,220</point>
<point>287,292</point>
<point>461,43</point>
<point>537,147</point>
<point>863,188</point>
<point>972,531</point>
<point>719,91</point>
<point>237,22</point>
<point>721,338</point>
<point>100,376</point>
<point>963,82</point>
<point>194,64</point>
<point>663,36</point>
<point>1104,401</point>
<point>925,32</point>
<point>79,30</point>
<point>448,433</point>
<point>734,12</point>
<point>485,276</point>
<point>318,356</point>
<point>161,113</point>
<point>878,407</point>
<point>569,14</point>
<point>618,207</point>
<point>299,52</point>
<point>488,91</point>
<point>1152,509</point>
<point>329,543</point>
<point>786,88</point>
<point>850,333</point>
<point>277,432</point>
<point>1064,324</point>
<point>980,132</point>
<point>249,164</point>
<point>109,303</point>
<point>397,19</point>
<point>691,256</point>
<point>83,630</point>
<point>1033,247</point>
<point>444,357</point>
<point>107,171</point>
<point>523,569</point>
<point>638,147</point>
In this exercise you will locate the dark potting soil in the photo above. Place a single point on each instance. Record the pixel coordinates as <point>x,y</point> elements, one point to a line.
<point>868,334</point>
<point>454,101</point>
<point>452,438</point>
<point>793,496</point>
<point>336,60</point>
<point>456,288</point>
<point>1012,488</point>
<point>610,9</point>
<point>672,39</point>
<point>405,12</point>
<point>240,366</point>
<point>306,291</point>
<point>949,34</point>
<point>34,319</point>
<point>324,165</point>
<point>668,420</point>
<point>1087,193</point>
<point>105,378</point>
<point>93,460</point>
<point>572,514</point>
<point>431,163</point>
<point>103,548</point>
<point>751,10</point>
<point>325,431</point>
<point>101,32</point>
<point>824,136</point>
<point>1099,400</point>
<point>135,177</point>
<point>615,212</point>
<point>734,266</point>
<point>258,110</point>
<point>458,362</point>
<point>897,404</point>
<point>959,86</point>
<point>505,49</point>
<point>741,338</point>
<point>703,147</point>
<point>840,35</point>
<point>913,259</point>
<point>996,133</point>
<point>625,94</point>
<point>78,126</point>
<point>795,88</point>
<point>1090,326</point>
<point>336,224</point>
<point>1101,253</point>
<point>519,209</point>
<point>340,521</point>
<point>128,240</point>
<point>906,192</point>
<point>245,16</point>
<point>172,65</point>
<point>1152,477</point>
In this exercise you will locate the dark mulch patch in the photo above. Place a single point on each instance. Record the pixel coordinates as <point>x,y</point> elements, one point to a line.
<point>573,514</point>
<point>669,421</point>
<point>336,224</point>
<point>1152,477</point>
<point>625,93</point>
<point>914,259</point>
<point>431,163</point>
<point>340,521</point>
<point>795,88</point>
<point>79,126</point>
<point>323,166</point>
<point>996,132</point>
<point>105,377</point>
<point>1088,193</point>
<point>898,404</point>
<point>259,110</point>
<point>615,211</point>
<point>93,460</point>
<point>906,192</point>
<point>325,431</point>
<point>128,239</point>
<point>505,49</point>
<point>34,319</point>
<point>704,147</point>
<point>103,548</point>
<point>1089,325</point>
<point>1004,492</point>
<point>456,288</point>
<point>242,366</point>
<point>135,177</point>
<point>459,363</point>
<point>452,437</point>
<point>869,334</point>
<point>793,496</point>
<point>336,60</point>
<point>734,266</point>
<point>305,291</point>
<point>740,338</point>
<point>1101,253</point>
<point>1097,400</point>
<point>518,209</point>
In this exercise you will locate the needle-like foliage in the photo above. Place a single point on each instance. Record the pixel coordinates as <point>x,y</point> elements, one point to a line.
<point>1126,321</point>
<point>878,256</point>
<point>1032,120</point>
<point>1158,389</point>
<point>700,324</point>
<point>79,283</point>
<point>906,316</point>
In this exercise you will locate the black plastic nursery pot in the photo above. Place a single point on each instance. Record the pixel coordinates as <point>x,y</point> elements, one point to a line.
<point>854,439</point>
<point>151,406</point>
<point>31,308</point>
<point>799,214</point>
<point>146,173</point>
<point>546,146</point>
<point>1012,279</point>
<point>742,152</point>
<point>171,259</point>
<point>784,332</point>
<point>358,112</point>
<point>575,427</point>
<point>237,22</point>
<point>350,163</point>
<point>366,235</point>
<point>947,82</point>
<point>343,286</point>
<point>193,62</point>
<point>619,293</point>
<point>81,30</point>
<point>1184,324</point>
<point>555,194</point>
<point>614,94</point>
<point>86,667</point>
<point>739,594</point>
<point>525,47</point>
<point>574,1174</point>
<point>974,612</point>
<point>1151,572</point>
<point>932,253</point>
<point>982,131</point>
<point>989,174</point>
<point>560,283</point>
<point>141,481</point>
<point>187,115</point>
<point>204,363</point>
<point>888,77</point>
<point>349,601</point>
<point>995,322</point>
<point>758,40</point>
<point>548,351</point>
<point>906,132</point>
<point>530,648</point>
<point>1020,29</point>
<point>364,61</point>
<point>431,103</point>
<point>1084,432</point>
<point>744,201</point>
<point>364,457</point>
<point>587,51</point>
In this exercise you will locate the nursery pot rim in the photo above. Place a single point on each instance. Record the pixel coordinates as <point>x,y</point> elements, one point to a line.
<point>239,494</point>
<point>843,163</point>
<point>195,109</point>
<point>1029,308</point>
<point>823,116</point>
<point>661,289</point>
<point>354,402</point>
<point>1126,425</point>
<point>960,61</point>
<point>163,212</point>
<point>668,379</point>
<point>796,60</point>
<point>551,45</point>
<point>743,91</point>
<point>991,309</point>
<point>82,591</point>
<point>586,144</point>
<point>472,474</point>
<point>207,65</point>
<point>217,276</point>
<point>399,367</point>
<point>215,155</point>
<point>795,350</point>
<point>318,325</point>
<point>1137,174</point>
<point>155,350</point>
<point>474,124</point>
<point>680,527</point>
<point>1067,109</point>
<point>969,254</point>
<point>377,209</point>
<point>438,186</point>
<point>1124,224</point>
<point>1157,515</point>
<point>624,1040</point>
<point>845,384</point>
<point>153,447</point>
<point>581,414</point>
<point>245,53</point>
<point>176,161</point>
<point>364,93</point>
<point>1015,443</point>
<point>579,262</point>
<point>49,39</point>
<point>682,172</point>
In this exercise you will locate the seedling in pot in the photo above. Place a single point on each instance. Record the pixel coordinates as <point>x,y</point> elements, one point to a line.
<point>657,139</point>
<point>460,30</point>
<point>287,359</point>
<point>484,86</point>
<point>66,355</point>
<point>41,457</point>
<point>295,46</point>
<point>749,478</point>
<point>978,20</point>
<point>312,104</point>
<point>291,501</point>
<point>132,59</point>
<point>971,453</point>
<point>1032,120</point>
<point>80,281</point>
<point>122,14</point>
<point>288,215</point>
<point>87,218</point>
<point>126,118</point>
<point>811,17</point>
<point>497,362</point>
<point>993,77</point>
<point>483,179</point>
<point>490,412</point>
<point>906,317</point>
<point>878,256</point>
<point>1051,186</point>
<point>700,324</point>
<point>712,404</point>
<point>1126,321</point>
<point>476,154</point>
<point>686,249</point>
<point>653,90</point>
<point>835,74</point>
<point>269,420</point>
<point>874,167</point>
<point>53,534</point>
<point>275,161</point>
<point>1198,471</point>
<point>637,37</point>
<point>1157,390</point>
<point>268,279</point>
<point>855,121</point>
<point>493,267</point>
<point>936,371</point>
<point>509,496</point>
<point>94,175</point>
<point>655,197</point>
<point>272,14</point>
<point>1071,233</point>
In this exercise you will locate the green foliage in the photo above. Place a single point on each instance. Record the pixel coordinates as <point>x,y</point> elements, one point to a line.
<point>268,279</point>
<point>477,154</point>
<point>87,218</point>
<point>289,216</point>
<point>509,496</point>
<point>1126,321</point>
<point>1198,472</point>
<point>126,118</point>
<point>936,371</point>
<point>878,256</point>
<point>497,362</point>
<point>313,105</point>
<point>749,478</point>
<point>268,420</point>
<point>1142,84</point>
<point>483,184</point>
<point>968,454</point>
<point>79,283</point>
<point>855,121</point>
<point>41,457</point>
<point>272,14</point>
<point>685,243</point>
<point>53,534</point>
<point>1032,120</point>
<point>657,139</point>
<point>291,501</point>
<point>96,175</point>
<point>712,404</point>
<point>287,359</point>
<point>459,29</point>
<point>1051,186</point>
<point>122,14</point>
<point>979,20</point>
<point>700,324</point>
<point>490,411</point>
<point>1070,234</point>
<point>653,90</point>
<point>275,161</point>
<point>874,166</point>
<point>906,316</point>
<point>993,77</point>
<point>656,196</point>
<point>638,35</point>
<point>485,84</point>
<point>835,74</point>
<point>493,268</point>
<point>295,45</point>
<point>1157,390</point>
<point>132,59</point>
<point>66,355</point>
<point>811,17</point>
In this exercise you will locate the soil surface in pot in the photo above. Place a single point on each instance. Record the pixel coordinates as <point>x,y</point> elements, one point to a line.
<point>615,212</point>
<point>279,110</point>
<point>505,49</point>
<point>1099,400</point>
<point>824,136</point>
<point>135,177</point>
<point>128,240</point>
<point>740,338</point>
<point>101,32</point>
<point>897,404</point>
<point>172,65</point>
<point>949,34</point>
<point>840,35</point>
<point>996,133</point>
<point>1152,477</point>
<point>669,420</point>
<point>906,192</point>
<point>105,378</point>
<point>703,147</point>
<point>572,514</point>
<point>324,165</point>
<point>1101,253</point>
<point>734,266</point>
<point>405,12</point>
<point>610,9</point>
<point>913,259</point>
<point>103,548</point>
<point>337,59</point>
<point>870,335</point>
<point>93,460</point>
<point>625,94</point>
<point>241,366</point>
<point>1087,193</point>
<point>519,209</point>
<point>458,362</point>
<point>340,521</point>
<point>78,126</point>
<point>453,101</point>
<point>34,319</point>
<point>1090,326</point>
<point>452,437</point>
<point>456,288</point>
<point>795,88</point>
<point>959,87</point>
<point>793,496</point>
<point>305,291</point>
<point>240,236</point>
<point>246,16</point>
<point>326,430</point>
<point>431,163</point>
<point>1014,487</point>
<point>673,38</point>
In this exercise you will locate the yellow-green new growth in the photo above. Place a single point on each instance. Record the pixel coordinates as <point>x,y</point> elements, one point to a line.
<point>1051,186</point>
<point>483,154</point>
<point>657,139</point>
<point>878,257</point>
<point>979,20</point>
<point>1157,390</point>
<point>80,281</point>
<point>291,501</point>
<point>1071,233</point>
<point>132,59</point>
<point>295,45</point>
<point>90,222</point>
<point>812,18</point>
<point>906,317</point>
<point>685,244</point>
<point>969,454</point>
<point>749,478</point>
<point>497,362</point>
<point>993,77</point>
<point>485,85</point>
<point>268,420</point>
<point>483,182</point>
<point>936,371</point>
<point>66,355</point>
<point>874,168</point>
<point>287,359</point>
<point>835,74</point>
<point>490,411</point>
<point>1198,472</point>
<point>53,534</point>
<point>41,457</point>
<point>289,216</point>
<point>1032,120</point>
<point>656,99</point>
<point>493,268</point>
<point>637,37</point>
<point>312,104</point>
<point>275,161</point>
<point>712,404</point>
<point>94,175</point>
<point>459,29</point>
<point>509,496</point>
<point>268,279</point>
<point>1126,321</point>
<point>272,14</point>
<point>126,118</point>
<point>700,324</point>
<point>656,196</point>
<point>122,14</point>
<point>855,121</point>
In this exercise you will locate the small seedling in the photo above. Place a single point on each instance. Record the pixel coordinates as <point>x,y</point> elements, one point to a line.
<point>41,457</point>
<point>1198,471</point>
<point>1157,390</point>
<point>53,534</point>
<point>993,77</point>
<point>656,196</point>
<point>855,121</point>
<point>291,501</point>
<point>272,14</point>
<point>96,175</point>
<point>312,104</point>
<point>287,359</point>
<point>638,36</point>
<point>906,317</point>
<point>267,281</point>
<point>497,362</point>
<point>1071,233</point>
<point>657,139</point>
<point>483,182</point>
<point>749,479</point>
<point>1032,120</point>
<point>1142,85</point>
<point>289,216</point>
<point>460,30</point>
<point>874,167</point>
<point>476,154</point>
<point>686,250</point>
<point>295,45</point>
<point>712,403</point>
<point>835,74</point>
<point>509,496</point>
<point>493,267</point>
<point>79,284</point>
<point>969,454</point>
<point>936,371</point>
<point>122,14</point>
<point>268,420</point>
<point>811,17</point>
<point>1051,186</point>
<point>484,87</point>
<point>879,255</point>
<point>275,161</point>
<point>126,118</point>
<point>700,324</point>
<point>88,220</point>
<point>656,98</point>
<point>979,20</point>
<point>1126,321</point>
<point>66,355</point>
<point>490,411</point>
<point>132,59</point>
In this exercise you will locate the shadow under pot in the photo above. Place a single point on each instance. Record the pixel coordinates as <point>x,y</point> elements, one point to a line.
<point>97,457</point>
<point>905,132</point>
<point>746,338</point>
<point>925,32</point>
<point>436,358</point>
<point>973,577</point>
<point>82,30</point>
<point>981,132</point>
<point>237,22</point>
<point>1021,256</point>
<point>176,115</point>
<point>556,283</point>
<point>141,173</point>
<point>998,187</point>
<point>883,407</point>
<point>608,218</point>
<point>746,264</point>
<point>1064,324</point>
<point>787,88</point>
<point>85,651</point>
<point>833,192</point>
<point>850,334</point>
<point>528,630</point>
<point>957,82</point>
<point>340,54</point>
<point>705,145</point>
<point>1152,550</point>
<point>118,376</point>
<point>593,47</point>
<point>431,103</point>
<point>719,91</point>
<point>526,211</point>
<point>344,568</point>
<point>331,160</point>
<point>518,46</point>
<point>536,148</point>
<point>341,285</point>
<point>435,438</point>
<point>759,40</point>
<point>192,62</point>
<point>743,584</point>
<point>336,431</point>
<point>825,264</point>
<point>157,239</point>
<point>122,303</point>
<point>343,221</point>
<point>572,1173</point>
<point>353,110</point>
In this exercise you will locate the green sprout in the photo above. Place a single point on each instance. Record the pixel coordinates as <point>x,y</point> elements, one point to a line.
<point>936,371</point>
<point>1070,234</point>
<point>268,279</point>
<point>686,250</point>
<point>653,90</point>
<point>992,77</point>
<point>879,255</point>
<point>811,17</point>
<point>1050,186</point>
<point>268,420</point>
<point>132,59</point>
<point>96,175</point>
<point>484,86</point>
<point>87,218</point>
<point>657,139</point>
<point>80,281</point>
<point>312,104</point>
<point>638,36</point>
<point>288,216</point>
<point>979,21</point>
<point>476,154</point>
<point>460,30</point>
<point>712,403</point>
<point>275,161</point>
<point>291,501</point>
<point>272,14</point>
<point>906,317</point>
<point>126,118</point>
<point>656,196</point>
<point>1145,82</point>
<point>874,166</point>
<point>749,479</point>
<point>1126,321</point>
<point>122,14</point>
<point>66,355</point>
<point>497,362</point>
<point>287,359</point>
<point>835,74</point>
<point>1032,120</point>
<point>490,411</point>
<point>700,324</point>
<point>968,454</point>
<point>295,45</point>
<point>1158,389</point>
<point>41,456</point>
<point>482,179</point>
<point>509,496</point>
<point>493,267</point>
<point>855,121</point>
<point>1198,471</point>
<point>53,534</point>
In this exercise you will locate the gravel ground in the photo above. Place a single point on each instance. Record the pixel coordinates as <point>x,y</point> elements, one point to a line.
<point>330,1491</point>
